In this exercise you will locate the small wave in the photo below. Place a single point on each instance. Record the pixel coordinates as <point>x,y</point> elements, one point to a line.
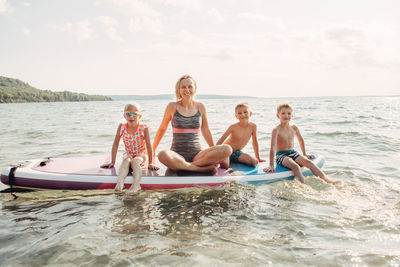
<point>339,133</point>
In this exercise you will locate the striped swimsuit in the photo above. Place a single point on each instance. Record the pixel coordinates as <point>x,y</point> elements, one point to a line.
<point>186,134</point>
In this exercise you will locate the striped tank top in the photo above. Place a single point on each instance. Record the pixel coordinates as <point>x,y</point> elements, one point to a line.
<point>186,134</point>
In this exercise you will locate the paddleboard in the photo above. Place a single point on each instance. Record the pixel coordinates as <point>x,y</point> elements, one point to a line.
<point>84,173</point>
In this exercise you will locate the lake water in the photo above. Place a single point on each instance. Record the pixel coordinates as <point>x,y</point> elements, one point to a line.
<point>285,223</point>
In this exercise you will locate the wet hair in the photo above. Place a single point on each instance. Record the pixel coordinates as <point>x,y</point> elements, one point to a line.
<point>284,105</point>
<point>242,105</point>
<point>178,84</point>
<point>132,105</point>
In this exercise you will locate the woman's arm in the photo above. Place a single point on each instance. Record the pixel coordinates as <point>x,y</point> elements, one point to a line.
<point>164,125</point>
<point>205,130</point>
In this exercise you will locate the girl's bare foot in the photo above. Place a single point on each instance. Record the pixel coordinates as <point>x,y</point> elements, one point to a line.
<point>120,185</point>
<point>133,189</point>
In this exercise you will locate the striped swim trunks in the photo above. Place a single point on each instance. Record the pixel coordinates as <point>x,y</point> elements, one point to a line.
<point>281,155</point>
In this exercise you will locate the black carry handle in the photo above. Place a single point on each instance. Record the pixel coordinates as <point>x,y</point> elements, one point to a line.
<point>11,179</point>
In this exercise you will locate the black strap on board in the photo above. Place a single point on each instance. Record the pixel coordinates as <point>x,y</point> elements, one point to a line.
<point>11,180</point>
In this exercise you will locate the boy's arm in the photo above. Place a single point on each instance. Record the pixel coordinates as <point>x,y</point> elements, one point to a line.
<point>149,149</point>
<point>114,149</point>
<point>225,135</point>
<point>255,144</point>
<point>274,137</point>
<point>301,142</point>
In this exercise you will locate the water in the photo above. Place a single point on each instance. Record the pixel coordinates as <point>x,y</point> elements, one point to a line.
<point>285,223</point>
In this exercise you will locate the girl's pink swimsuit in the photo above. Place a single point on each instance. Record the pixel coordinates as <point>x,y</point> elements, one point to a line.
<point>135,144</point>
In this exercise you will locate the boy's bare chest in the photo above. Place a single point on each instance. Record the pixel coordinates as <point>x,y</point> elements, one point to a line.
<point>286,133</point>
<point>241,133</point>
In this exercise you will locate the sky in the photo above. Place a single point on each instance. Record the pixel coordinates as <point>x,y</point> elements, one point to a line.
<point>259,48</point>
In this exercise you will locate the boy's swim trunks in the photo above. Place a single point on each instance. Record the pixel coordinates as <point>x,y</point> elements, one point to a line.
<point>281,155</point>
<point>235,156</point>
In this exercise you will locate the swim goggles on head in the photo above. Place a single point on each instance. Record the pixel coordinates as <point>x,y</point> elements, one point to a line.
<point>133,114</point>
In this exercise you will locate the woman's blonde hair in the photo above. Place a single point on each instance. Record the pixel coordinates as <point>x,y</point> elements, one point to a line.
<point>178,84</point>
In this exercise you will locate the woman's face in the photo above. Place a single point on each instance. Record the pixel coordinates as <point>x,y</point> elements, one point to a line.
<point>187,88</point>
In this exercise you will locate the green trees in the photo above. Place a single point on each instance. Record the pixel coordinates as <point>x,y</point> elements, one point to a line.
<point>16,91</point>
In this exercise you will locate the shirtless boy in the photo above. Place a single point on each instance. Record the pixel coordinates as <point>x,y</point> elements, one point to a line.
<point>282,141</point>
<point>239,135</point>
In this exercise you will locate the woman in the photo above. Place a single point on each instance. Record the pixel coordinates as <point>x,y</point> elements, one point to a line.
<point>188,119</point>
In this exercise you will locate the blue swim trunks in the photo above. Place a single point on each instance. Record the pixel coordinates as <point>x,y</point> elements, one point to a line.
<point>281,155</point>
<point>235,156</point>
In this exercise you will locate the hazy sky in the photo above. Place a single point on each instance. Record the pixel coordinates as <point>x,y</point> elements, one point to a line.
<point>253,47</point>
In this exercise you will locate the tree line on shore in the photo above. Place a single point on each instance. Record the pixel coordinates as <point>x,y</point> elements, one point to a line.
<point>16,91</point>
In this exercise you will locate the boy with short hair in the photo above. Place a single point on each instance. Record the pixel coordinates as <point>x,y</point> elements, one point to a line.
<point>282,141</point>
<point>239,135</point>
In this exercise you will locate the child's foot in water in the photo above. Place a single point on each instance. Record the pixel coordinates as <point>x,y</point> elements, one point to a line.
<point>133,189</point>
<point>120,185</point>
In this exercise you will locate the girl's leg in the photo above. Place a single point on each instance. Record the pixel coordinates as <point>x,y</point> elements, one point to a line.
<point>174,161</point>
<point>248,160</point>
<point>291,164</point>
<point>136,173</point>
<point>303,161</point>
<point>123,172</point>
<point>212,155</point>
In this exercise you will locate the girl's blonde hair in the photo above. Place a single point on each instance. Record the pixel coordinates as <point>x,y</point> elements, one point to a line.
<point>132,105</point>
<point>178,84</point>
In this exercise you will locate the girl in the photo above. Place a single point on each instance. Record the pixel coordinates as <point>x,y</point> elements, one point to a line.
<point>189,118</point>
<point>138,150</point>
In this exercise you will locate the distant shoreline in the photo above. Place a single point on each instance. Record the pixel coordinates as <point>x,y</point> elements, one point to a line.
<point>172,97</point>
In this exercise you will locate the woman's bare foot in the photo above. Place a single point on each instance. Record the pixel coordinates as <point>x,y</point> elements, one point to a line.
<point>211,168</point>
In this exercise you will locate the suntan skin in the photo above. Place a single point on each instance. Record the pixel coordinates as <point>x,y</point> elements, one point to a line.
<point>205,160</point>
<point>136,162</point>
<point>239,136</point>
<point>283,139</point>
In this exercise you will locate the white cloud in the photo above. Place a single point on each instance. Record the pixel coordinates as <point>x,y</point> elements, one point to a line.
<point>194,5</point>
<point>252,16</point>
<point>143,23</point>
<point>350,45</point>
<point>222,54</point>
<point>215,15</point>
<point>81,29</point>
<point>133,7</point>
<point>26,32</point>
<point>110,25</point>
<point>5,7</point>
